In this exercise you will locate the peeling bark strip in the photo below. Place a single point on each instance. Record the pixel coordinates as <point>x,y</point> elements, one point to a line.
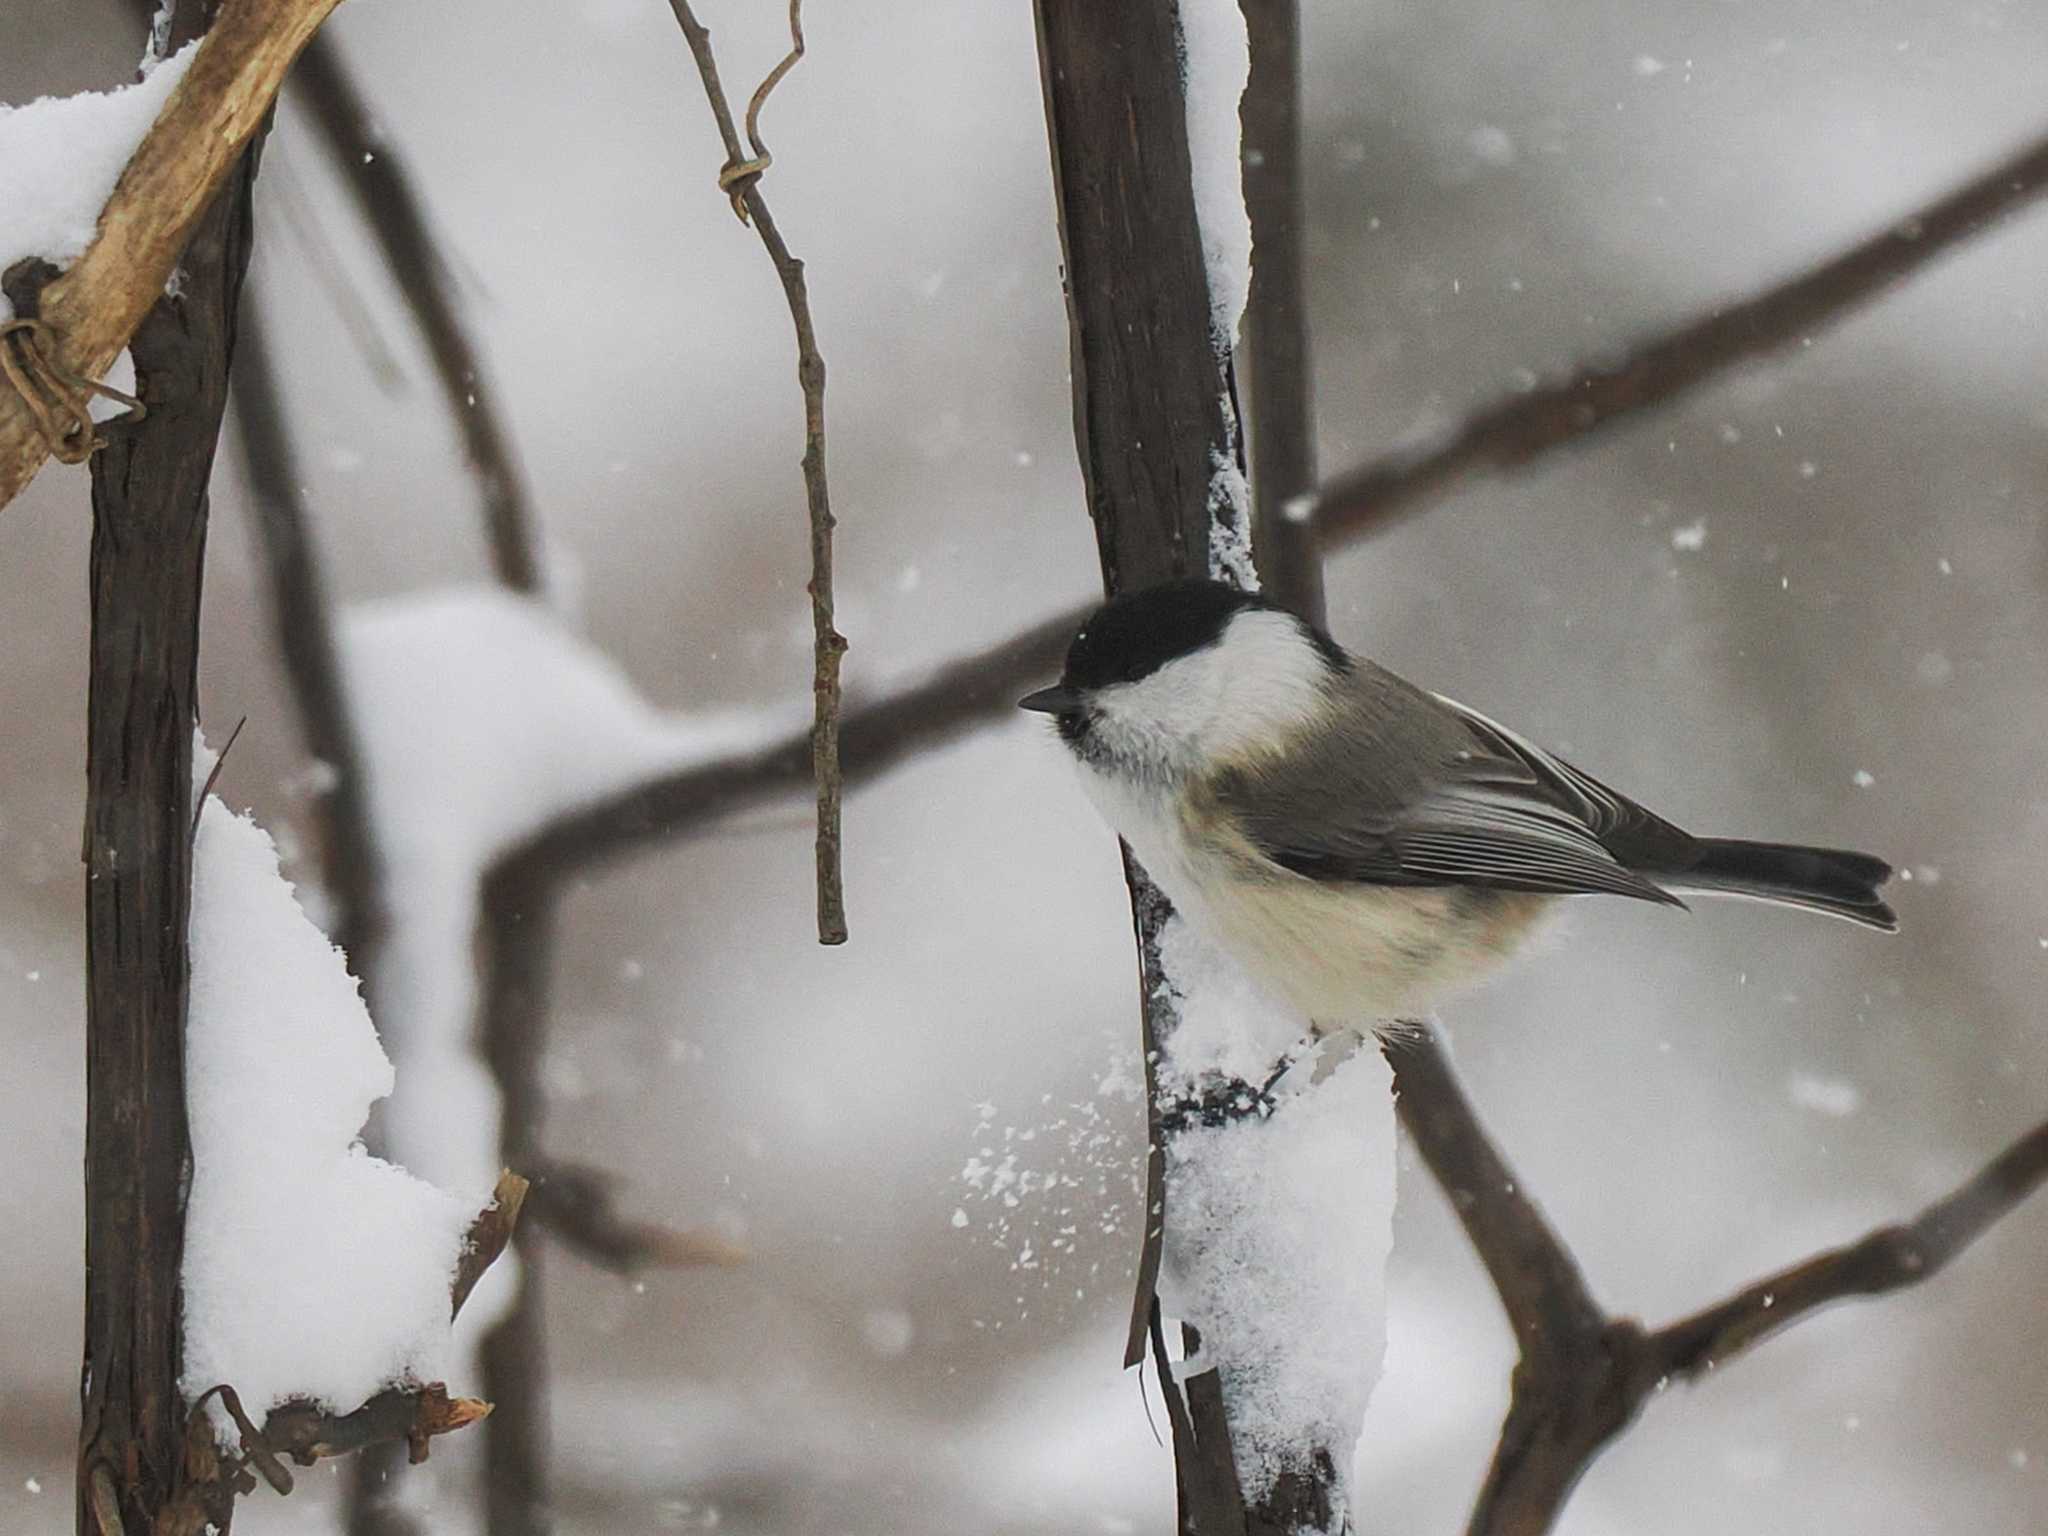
<point>148,551</point>
<point>190,153</point>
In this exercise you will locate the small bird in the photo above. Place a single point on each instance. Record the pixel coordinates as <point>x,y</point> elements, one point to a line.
<point>1362,846</point>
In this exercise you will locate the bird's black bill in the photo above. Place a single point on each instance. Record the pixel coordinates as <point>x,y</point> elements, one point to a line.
<point>1051,701</point>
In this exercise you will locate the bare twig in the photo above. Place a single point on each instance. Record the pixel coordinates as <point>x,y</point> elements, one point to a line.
<point>1522,427</point>
<point>1584,1374</point>
<point>376,174</point>
<point>742,180</point>
<point>409,1416</point>
<point>577,1205</point>
<point>187,156</point>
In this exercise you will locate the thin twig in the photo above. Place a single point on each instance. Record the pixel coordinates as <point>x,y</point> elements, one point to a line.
<point>1521,427</point>
<point>578,1207</point>
<point>828,644</point>
<point>1584,1374</point>
<point>302,623</point>
<point>376,173</point>
<point>409,1416</point>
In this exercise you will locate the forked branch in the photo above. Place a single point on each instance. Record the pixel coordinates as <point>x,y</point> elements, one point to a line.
<point>1584,1374</point>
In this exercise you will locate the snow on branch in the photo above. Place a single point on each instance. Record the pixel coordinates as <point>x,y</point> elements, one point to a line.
<point>482,718</point>
<point>282,1066</point>
<point>212,113</point>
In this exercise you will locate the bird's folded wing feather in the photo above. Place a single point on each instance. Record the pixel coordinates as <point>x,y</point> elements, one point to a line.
<point>1499,813</point>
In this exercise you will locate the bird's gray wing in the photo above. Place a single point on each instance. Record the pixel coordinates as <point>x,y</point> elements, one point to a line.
<point>1483,808</point>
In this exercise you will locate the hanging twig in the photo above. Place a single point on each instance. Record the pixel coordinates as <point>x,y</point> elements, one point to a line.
<point>94,307</point>
<point>741,178</point>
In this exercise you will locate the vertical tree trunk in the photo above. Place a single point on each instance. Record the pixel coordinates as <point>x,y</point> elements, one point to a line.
<point>149,540</point>
<point>1154,415</point>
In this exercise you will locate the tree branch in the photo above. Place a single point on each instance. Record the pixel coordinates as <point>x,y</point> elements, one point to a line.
<point>375,172</point>
<point>187,157</point>
<point>741,177</point>
<point>149,505</point>
<point>303,623</point>
<point>1583,1374</point>
<point>978,689</point>
<point>1888,1259</point>
<point>1522,427</point>
<point>1282,396</point>
<point>578,1207</point>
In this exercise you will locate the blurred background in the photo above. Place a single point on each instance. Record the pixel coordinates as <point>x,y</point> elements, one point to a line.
<point>1807,603</point>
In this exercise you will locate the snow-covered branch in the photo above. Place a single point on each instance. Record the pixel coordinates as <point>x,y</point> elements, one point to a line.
<point>213,112</point>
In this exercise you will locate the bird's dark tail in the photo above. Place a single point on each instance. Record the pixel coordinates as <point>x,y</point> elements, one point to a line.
<point>1829,880</point>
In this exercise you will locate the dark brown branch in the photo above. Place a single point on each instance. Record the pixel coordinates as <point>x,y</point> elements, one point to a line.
<point>408,1416</point>
<point>1513,431</point>
<point>978,689</point>
<point>303,624</point>
<point>958,698</point>
<point>376,174</point>
<point>517,940</point>
<point>148,555</point>
<point>742,178</point>
<point>578,1207</point>
<point>1583,1374</point>
<point>1886,1260</point>
<point>1282,396</point>
<point>1154,413</point>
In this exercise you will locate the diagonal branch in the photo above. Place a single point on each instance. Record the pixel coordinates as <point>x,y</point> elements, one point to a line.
<point>577,1206</point>
<point>169,183</point>
<point>742,180</point>
<point>376,175</point>
<point>977,690</point>
<point>1885,1260</point>
<point>1515,430</point>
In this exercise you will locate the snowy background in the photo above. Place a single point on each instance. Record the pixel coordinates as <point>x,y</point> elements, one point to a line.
<point>1820,585</point>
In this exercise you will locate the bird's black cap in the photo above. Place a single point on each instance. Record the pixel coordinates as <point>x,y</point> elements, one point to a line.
<point>1137,634</point>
